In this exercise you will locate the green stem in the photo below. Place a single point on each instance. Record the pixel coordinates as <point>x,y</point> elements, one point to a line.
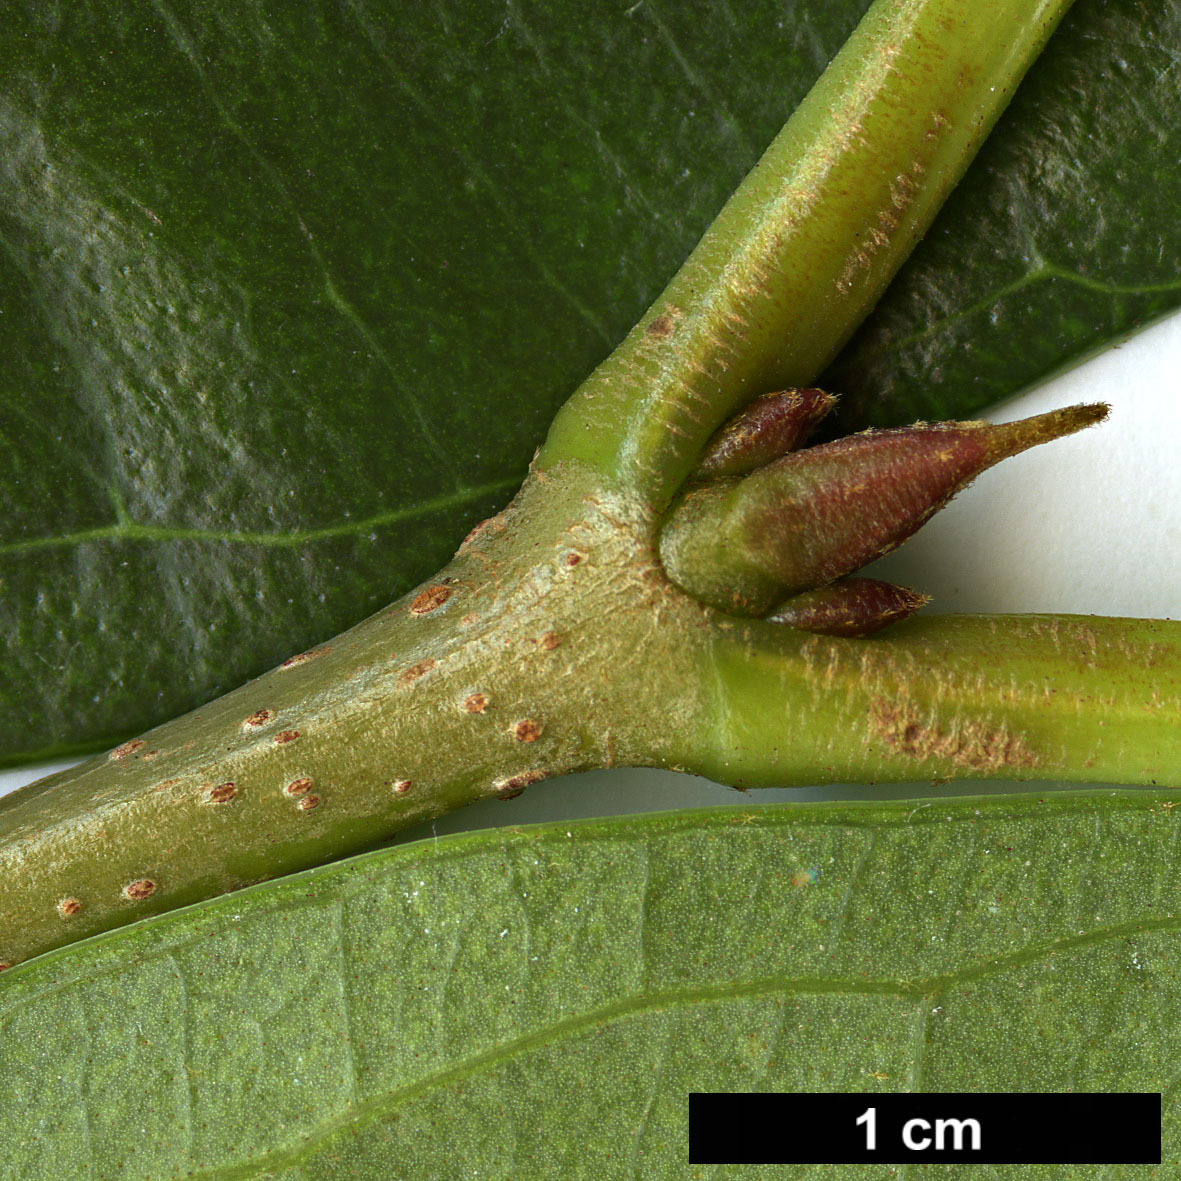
<point>555,643</point>
<point>528,656</point>
<point>1042,697</point>
<point>809,241</point>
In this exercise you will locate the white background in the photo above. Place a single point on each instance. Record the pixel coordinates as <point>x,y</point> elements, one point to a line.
<point>1089,525</point>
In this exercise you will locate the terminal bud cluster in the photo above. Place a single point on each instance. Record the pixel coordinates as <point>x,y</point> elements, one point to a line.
<point>764,529</point>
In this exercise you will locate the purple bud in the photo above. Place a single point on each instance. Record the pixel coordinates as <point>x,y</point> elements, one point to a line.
<point>809,518</point>
<point>849,607</point>
<point>769,427</point>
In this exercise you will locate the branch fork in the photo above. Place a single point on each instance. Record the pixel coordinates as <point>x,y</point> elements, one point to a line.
<point>672,585</point>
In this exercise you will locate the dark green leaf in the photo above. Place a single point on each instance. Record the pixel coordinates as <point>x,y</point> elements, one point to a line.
<point>539,1002</point>
<point>290,292</point>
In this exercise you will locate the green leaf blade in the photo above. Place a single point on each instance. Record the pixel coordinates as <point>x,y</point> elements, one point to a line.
<point>518,1000</point>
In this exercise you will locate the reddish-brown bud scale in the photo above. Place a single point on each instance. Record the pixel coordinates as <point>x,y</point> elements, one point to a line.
<point>744,544</point>
<point>850,607</point>
<point>769,427</point>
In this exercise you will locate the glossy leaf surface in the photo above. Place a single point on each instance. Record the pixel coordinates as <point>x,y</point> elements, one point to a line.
<point>539,1001</point>
<point>290,294</point>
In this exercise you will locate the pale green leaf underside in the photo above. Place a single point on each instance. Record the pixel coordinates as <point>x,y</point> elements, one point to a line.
<point>539,1002</point>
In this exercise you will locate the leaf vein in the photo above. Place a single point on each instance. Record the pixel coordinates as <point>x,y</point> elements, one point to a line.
<point>136,531</point>
<point>478,171</point>
<point>184,44</point>
<point>1045,272</point>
